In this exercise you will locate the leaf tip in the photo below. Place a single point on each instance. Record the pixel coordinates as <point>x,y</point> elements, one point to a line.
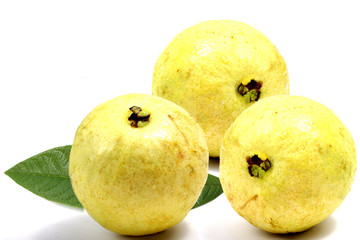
<point>7,172</point>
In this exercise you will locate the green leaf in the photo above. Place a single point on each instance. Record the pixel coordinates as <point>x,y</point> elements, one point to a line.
<point>211,190</point>
<point>47,175</point>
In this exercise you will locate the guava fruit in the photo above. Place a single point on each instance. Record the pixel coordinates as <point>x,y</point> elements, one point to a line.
<point>138,164</point>
<point>286,163</point>
<point>216,69</point>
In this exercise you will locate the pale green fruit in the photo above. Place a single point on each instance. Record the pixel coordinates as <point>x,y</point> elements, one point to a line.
<point>215,70</point>
<point>138,171</point>
<point>287,163</point>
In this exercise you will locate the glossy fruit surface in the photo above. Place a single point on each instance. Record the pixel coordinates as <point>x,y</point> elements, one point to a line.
<point>215,70</point>
<point>138,164</point>
<point>287,163</point>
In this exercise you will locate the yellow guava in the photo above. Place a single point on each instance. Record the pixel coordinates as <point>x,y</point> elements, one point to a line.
<point>286,163</point>
<point>216,69</point>
<point>138,164</point>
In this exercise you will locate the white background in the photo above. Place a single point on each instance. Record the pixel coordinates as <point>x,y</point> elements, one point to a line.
<point>59,59</point>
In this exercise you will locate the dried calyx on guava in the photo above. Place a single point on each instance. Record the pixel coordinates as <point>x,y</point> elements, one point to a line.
<point>258,165</point>
<point>138,117</point>
<point>250,90</point>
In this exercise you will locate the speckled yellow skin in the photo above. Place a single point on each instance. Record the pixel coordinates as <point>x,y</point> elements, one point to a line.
<point>138,181</point>
<point>312,159</point>
<point>204,65</point>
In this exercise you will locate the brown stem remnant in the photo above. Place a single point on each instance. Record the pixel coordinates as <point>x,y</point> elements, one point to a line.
<point>258,165</point>
<point>138,117</point>
<point>250,90</point>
